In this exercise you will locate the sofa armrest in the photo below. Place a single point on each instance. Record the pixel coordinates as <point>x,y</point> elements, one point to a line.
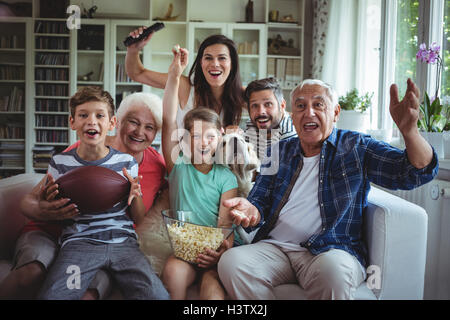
<point>395,231</point>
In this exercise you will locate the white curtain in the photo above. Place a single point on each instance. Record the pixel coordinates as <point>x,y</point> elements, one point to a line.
<point>343,60</point>
<point>320,28</point>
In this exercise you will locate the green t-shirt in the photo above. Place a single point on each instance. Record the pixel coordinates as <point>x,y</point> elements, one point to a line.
<point>192,190</point>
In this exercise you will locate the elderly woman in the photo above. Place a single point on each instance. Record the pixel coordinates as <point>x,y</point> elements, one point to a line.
<point>139,119</point>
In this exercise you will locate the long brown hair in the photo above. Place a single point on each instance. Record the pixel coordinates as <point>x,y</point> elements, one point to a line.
<point>232,99</point>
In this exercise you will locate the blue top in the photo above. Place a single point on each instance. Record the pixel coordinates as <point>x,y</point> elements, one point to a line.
<point>349,161</point>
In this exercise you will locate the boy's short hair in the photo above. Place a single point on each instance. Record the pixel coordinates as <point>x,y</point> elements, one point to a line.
<point>88,94</point>
<point>264,84</point>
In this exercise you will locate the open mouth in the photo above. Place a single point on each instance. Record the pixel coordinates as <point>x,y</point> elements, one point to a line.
<point>204,152</point>
<point>136,139</point>
<point>215,74</point>
<point>262,120</point>
<point>92,133</point>
<point>310,126</point>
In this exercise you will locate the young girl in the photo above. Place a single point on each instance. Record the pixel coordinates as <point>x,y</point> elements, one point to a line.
<point>196,184</point>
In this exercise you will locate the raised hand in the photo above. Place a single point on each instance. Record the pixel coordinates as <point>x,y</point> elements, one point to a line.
<point>405,113</point>
<point>141,44</point>
<point>179,62</point>
<point>135,190</point>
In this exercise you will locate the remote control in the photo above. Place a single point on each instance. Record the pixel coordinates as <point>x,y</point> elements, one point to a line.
<point>153,28</point>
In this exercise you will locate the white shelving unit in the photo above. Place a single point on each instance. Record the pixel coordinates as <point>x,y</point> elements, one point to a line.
<point>14,77</point>
<point>195,20</point>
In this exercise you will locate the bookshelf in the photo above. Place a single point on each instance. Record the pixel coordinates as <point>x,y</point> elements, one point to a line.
<point>13,66</point>
<point>52,47</point>
<point>123,85</point>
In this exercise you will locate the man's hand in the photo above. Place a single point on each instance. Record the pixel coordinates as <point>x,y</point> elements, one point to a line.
<point>242,212</point>
<point>40,203</point>
<point>405,113</point>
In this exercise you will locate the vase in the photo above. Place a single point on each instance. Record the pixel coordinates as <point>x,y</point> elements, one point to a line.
<point>446,144</point>
<point>353,120</point>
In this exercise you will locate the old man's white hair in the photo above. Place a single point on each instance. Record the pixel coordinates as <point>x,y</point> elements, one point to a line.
<point>329,90</point>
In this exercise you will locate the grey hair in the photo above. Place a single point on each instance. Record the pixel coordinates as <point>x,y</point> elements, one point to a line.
<point>150,100</point>
<point>329,90</point>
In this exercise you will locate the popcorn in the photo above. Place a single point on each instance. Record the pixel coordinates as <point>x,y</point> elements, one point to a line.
<point>189,240</point>
<point>176,48</point>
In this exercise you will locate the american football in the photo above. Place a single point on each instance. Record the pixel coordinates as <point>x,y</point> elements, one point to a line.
<point>93,188</point>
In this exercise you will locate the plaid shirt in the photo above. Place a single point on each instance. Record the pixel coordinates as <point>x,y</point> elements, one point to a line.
<point>349,161</point>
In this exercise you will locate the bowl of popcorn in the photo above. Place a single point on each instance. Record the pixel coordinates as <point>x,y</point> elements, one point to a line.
<point>189,239</point>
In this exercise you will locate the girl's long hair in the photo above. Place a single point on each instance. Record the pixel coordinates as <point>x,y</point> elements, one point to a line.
<point>232,99</point>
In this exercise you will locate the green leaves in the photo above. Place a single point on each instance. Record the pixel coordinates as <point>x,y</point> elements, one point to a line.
<point>353,101</point>
<point>432,119</point>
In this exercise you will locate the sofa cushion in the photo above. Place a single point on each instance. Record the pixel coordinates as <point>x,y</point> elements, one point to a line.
<point>152,234</point>
<point>12,190</point>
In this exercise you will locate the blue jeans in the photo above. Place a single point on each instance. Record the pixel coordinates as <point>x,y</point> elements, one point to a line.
<point>78,261</point>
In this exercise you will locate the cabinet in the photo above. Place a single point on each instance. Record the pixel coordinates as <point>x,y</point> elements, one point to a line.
<point>52,68</point>
<point>43,63</point>
<point>13,68</point>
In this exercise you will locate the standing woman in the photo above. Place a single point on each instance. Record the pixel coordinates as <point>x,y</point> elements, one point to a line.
<point>214,80</point>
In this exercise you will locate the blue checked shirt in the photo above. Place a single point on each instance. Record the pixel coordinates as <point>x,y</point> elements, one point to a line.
<point>349,161</point>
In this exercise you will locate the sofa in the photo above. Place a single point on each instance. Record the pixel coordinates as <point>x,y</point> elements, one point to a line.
<point>395,232</point>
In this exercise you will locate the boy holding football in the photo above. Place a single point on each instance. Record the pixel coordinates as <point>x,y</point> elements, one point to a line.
<point>106,240</point>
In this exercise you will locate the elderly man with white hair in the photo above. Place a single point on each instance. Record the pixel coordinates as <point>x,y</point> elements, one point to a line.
<point>310,209</point>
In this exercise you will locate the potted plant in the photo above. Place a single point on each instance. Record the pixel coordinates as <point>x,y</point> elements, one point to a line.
<point>353,111</point>
<point>433,117</point>
<point>446,135</point>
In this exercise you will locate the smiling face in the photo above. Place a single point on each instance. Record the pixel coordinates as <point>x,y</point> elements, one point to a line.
<point>92,122</point>
<point>216,64</point>
<point>137,129</point>
<point>204,141</point>
<point>265,112</point>
<point>313,116</point>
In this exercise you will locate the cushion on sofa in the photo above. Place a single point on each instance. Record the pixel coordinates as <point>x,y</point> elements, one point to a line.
<point>152,234</point>
<point>12,190</point>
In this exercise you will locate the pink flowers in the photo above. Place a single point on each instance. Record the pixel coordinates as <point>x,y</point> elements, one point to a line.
<point>431,55</point>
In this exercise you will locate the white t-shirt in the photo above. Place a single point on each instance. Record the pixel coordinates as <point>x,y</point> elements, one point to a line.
<point>300,217</point>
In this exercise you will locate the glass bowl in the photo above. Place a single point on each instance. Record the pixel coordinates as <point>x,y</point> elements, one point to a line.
<point>189,239</point>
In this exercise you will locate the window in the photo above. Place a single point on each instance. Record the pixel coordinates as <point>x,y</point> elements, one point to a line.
<point>406,43</point>
<point>445,77</point>
<point>405,25</point>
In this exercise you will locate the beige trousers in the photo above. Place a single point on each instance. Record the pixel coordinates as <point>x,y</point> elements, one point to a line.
<point>252,271</point>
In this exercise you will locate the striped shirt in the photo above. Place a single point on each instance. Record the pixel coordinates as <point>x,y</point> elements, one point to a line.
<point>258,139</point>
<point>112,226</point>
<point>349,162</point>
